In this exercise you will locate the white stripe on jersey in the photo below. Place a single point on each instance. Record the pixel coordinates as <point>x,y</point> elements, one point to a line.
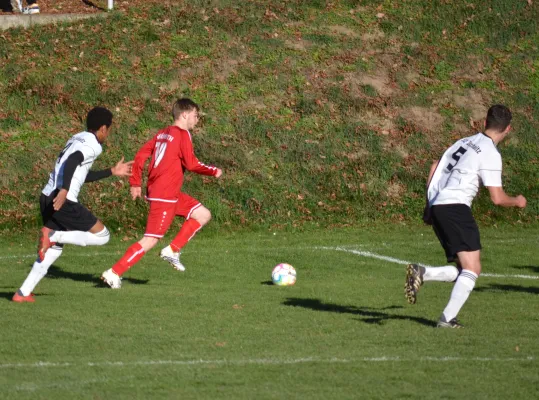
<point>463,167</point>
<point>87,144</point>
<point>161,200</point>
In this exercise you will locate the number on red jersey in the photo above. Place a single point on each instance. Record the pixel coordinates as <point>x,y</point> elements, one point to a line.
<point>160,148</point>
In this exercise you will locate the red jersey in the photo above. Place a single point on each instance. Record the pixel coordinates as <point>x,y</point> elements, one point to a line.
<point>171,151</point>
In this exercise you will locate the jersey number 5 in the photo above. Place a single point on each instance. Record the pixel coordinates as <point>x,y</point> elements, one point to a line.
<point>159,152</point>
<point>456,156</point>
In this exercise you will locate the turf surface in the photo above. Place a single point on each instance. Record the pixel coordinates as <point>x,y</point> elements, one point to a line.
<point>222,330</point>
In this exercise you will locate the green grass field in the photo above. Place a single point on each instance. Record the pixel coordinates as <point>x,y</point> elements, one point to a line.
<point>221,330</point>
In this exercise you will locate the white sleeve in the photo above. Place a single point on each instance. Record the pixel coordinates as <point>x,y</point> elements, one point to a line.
<point>490,170</point>
<point>87,151</point>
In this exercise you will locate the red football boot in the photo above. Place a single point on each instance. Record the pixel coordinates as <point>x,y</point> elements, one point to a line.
<point>17,298</point>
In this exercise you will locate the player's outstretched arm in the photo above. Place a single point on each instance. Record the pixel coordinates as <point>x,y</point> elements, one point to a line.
<point>191,162</point>
<point>122,169</point>
<point>500,198</point>
<point>219,173</point>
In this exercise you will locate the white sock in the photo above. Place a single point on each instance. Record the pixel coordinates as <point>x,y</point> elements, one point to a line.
<point>447,273</point>
<point>81,238</point>
<point>39,270</point>
<point>462,289</point>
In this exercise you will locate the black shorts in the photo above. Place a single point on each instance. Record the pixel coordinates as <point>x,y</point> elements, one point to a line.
<point>72,216</point>
<point>455,228</point>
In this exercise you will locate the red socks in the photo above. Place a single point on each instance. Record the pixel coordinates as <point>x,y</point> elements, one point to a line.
<point>133,254</point>
<point>187,231</point>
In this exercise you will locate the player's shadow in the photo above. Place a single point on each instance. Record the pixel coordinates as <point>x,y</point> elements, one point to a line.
<point>92,4</point>
<point>55,272</point>
<point>496,287</point>
<point>7,295</point>
<point>367,314</point>
<point>533,268</point>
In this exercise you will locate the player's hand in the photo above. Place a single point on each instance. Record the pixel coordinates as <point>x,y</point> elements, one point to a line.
<point>59,200</point>
<point>136,191</point>
<point>122,169</point>
<point>521,201</point>
<point>219,173</point>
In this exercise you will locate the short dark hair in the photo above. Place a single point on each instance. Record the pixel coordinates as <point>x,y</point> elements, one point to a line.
<point>498,118</point>
<point>97,117</point>
<point>182,105</point>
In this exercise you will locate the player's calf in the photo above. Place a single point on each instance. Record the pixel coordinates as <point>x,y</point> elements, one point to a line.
<point>80,238</point>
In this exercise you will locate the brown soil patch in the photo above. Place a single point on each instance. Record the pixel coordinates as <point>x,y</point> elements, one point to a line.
<point>342,30</point>
<point>425,118</point>
<point>474,102</point>
<point>377,122</point>
<point>299,45</point>
<point>472,69</point>
<point>397,148</point>
<point>395,190</point>
<point>373,35</point>
<point>380,81</point>
<point>226,67</point>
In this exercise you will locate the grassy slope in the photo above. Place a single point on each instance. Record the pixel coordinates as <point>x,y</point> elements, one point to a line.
<point>326,113</point>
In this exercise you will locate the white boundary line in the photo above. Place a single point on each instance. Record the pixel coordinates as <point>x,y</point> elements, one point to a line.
<point>404,262</point>
<point>266,361</point>
<point>362,253</point>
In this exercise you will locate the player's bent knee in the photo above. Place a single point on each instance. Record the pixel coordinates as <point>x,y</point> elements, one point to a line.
<point>208,217</point>
<point>202,215</point>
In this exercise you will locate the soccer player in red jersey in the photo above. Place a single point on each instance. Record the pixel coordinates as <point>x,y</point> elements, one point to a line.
<point>170,152</point>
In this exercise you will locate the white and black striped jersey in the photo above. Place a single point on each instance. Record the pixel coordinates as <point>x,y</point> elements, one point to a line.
<point>87,144</point>
<point>466,165</point>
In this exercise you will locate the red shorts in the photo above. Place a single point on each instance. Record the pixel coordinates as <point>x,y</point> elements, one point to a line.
<point>162,214</point>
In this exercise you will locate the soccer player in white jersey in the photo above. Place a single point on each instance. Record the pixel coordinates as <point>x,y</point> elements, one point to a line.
<point>65,220</point>
<point>453,183</point>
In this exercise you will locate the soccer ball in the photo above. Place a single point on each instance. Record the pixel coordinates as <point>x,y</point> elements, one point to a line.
<point>283,275</point>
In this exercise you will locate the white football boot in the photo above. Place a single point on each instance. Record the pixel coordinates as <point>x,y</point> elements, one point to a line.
<point>111,279</point>
<point>172,257</point>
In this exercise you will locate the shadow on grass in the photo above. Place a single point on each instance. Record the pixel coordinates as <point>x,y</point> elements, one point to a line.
<point>55,272</point>
<point>92,4</point>
<point>266,283</point>
<point>9,295</point>
<point>367,314</point>
<point>533,268</point>
<point>508,288</point>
